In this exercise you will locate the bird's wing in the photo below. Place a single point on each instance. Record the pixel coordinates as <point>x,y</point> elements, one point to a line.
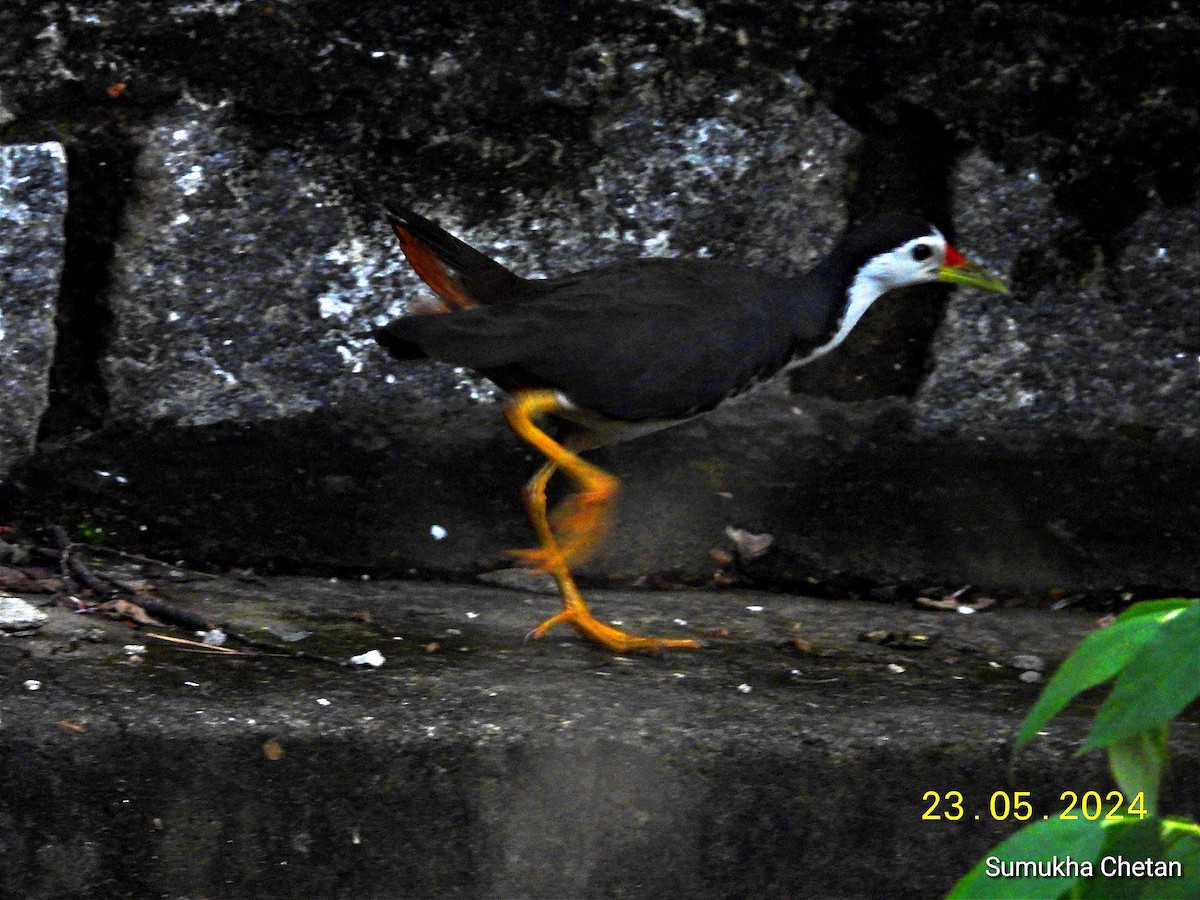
<point>652,339</point>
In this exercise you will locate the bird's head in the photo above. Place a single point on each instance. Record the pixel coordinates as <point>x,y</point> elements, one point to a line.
<point>887,252</point>
<point>892,251</point>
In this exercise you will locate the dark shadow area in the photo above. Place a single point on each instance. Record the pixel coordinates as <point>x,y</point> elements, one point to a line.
<point>100,166</point>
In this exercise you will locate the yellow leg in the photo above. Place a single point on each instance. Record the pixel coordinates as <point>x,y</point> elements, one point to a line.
<point>580,523</point>
<point>586,514</point>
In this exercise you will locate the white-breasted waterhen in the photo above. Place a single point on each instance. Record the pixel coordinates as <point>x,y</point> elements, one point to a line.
<point>623,350</point>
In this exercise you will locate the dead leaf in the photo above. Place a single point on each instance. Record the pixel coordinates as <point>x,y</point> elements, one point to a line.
<point>720,556</point>
<point>123,609</point>
<point>945,603</point>
<point>803,644</point>
<point>273,750</point>
<point>749,546</point>
<point>73,726</point>
<point>29,581</point>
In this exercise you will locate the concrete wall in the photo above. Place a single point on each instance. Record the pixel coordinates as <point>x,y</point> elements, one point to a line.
<point>225,259</point>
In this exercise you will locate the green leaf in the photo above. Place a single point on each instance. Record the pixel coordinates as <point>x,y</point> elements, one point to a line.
<point>1181,840</point>
<point>1158,681</point>
<point>1159,840</point>
<point>1157,608</point>
<point>1137,764</point>
<point>1099,657</point>
<point>1043,841</point>
<point>1126,840</point>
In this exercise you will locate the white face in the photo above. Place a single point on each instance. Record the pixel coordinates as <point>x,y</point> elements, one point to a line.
<point>915,262</point>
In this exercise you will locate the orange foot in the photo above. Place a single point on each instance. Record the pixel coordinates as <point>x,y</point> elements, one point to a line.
<point>581,619</point>
<point>580,523</point>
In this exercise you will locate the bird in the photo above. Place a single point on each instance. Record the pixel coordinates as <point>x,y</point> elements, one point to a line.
<point>620,351</point>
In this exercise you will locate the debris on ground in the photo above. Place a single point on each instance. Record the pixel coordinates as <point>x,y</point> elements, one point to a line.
<point>370,658</point>
<point>18,616</point>
<point>749,546</point>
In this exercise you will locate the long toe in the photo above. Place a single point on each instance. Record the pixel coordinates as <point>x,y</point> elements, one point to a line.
<point>609,637</point>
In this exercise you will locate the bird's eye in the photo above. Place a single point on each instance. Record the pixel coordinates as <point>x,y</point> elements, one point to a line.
<point>922,252</point>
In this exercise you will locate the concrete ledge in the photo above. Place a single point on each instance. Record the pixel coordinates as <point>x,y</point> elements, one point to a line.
<point>844,489</point>
<point>494,767</point>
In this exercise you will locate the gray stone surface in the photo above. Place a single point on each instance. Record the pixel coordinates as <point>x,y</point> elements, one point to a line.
<point>33,204</point>
<point>18,615</point>
<point>253,261</point>
<point>848,491</point>
<point>1114,349</point>
<point>245,286</point>
<point>495,767</point>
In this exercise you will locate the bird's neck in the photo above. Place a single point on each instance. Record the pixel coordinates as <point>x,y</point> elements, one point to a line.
<point>849,296</point>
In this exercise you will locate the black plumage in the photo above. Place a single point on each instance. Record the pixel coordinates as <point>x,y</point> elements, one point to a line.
<point>648,339</point>
<point>619,351</point>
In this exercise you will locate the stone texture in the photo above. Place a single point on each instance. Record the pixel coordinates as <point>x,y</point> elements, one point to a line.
<point>500,767</point>
<point>33,204</point>
<point>581,131</point>
<point>848,491</point>
<point>243,287</point>
<point>1116,348</point>
<point>18,615</point>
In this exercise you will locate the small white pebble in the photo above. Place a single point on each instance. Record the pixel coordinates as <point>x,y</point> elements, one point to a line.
<point>33,685</point>
<point>754,609</point>
<point>1031,677</point>
<point>370,658</point>
<point>321,701</point>
<point>617,622</point>
<point>134,649</point>
<point>681,621</point>
<point>192,684</point>
<point>472,615</point>
<point>744,688</point>
<point>895,669</point>
<point>993,664</point>
<point>454,631</point>
<point>966,610</point>
<point>437,532</point>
